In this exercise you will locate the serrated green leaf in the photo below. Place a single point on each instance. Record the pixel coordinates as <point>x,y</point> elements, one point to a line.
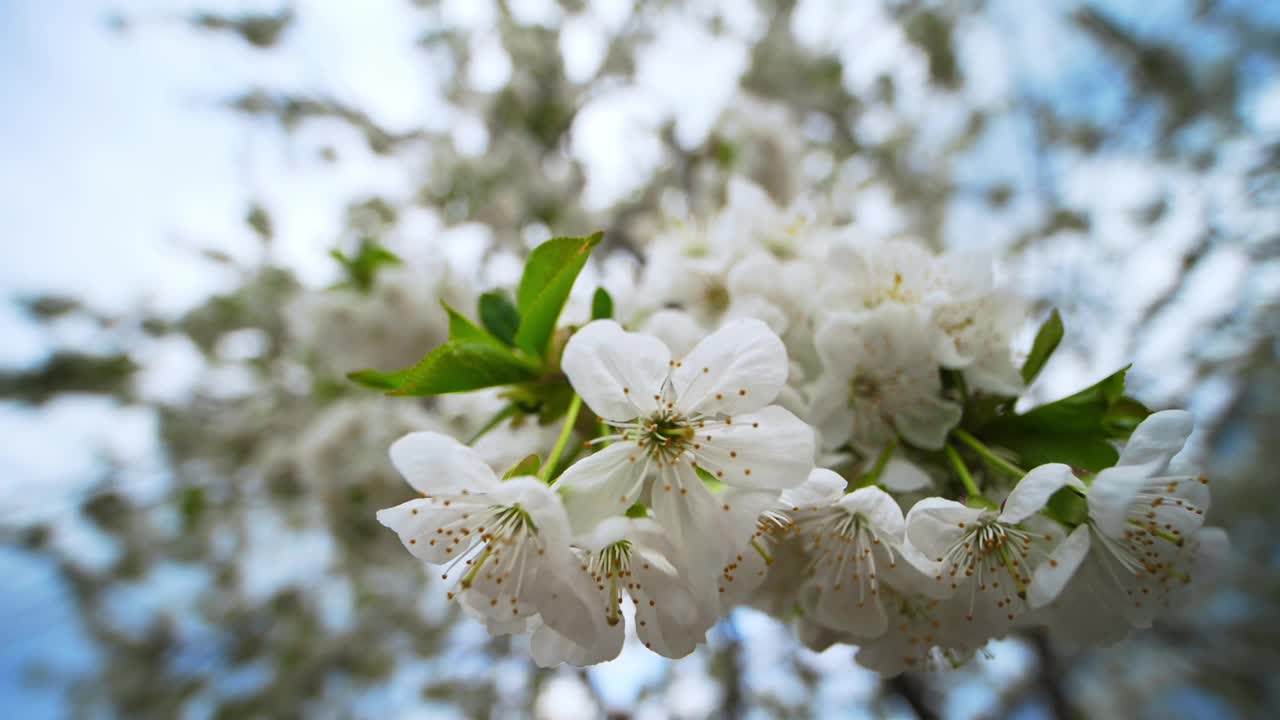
<point>459,366</point>
<point>499,316</point>
<point>601,305</point>
<point>529,466</point>
<point>1047,340</point>
<point>548,277</point>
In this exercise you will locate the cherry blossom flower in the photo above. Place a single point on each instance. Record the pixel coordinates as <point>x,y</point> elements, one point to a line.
<point>880,382</point>
<point>707,412</point>
<point>1141,542</point>
<point>857,546</point>
<point>505,544</point>
<point>627,557</point>
<point>988,558</point>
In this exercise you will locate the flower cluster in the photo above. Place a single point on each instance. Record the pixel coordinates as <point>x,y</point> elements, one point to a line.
<point>767,434</point>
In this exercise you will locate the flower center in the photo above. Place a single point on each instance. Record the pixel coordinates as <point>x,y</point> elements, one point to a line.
<point>863,389</point>
<point>611,570</point>
<point>987,554</point>
<point>663,436</point>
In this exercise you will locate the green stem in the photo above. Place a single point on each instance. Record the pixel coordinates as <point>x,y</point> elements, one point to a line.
<point>873,476</point>
<point>494,422</point>
<point>553,459</point>
<point>995,460</point>
<point>970,487</point>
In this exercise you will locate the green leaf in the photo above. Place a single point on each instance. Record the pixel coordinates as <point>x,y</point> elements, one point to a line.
<point>638,510</point>
<point>1068,507</point>
<point>548,277</point>
<point>462,365</point>
<point>463,330</point>
<point>1046,342</point>
<point>1086,451</point>
<point>1082,412</point>
<point>529,466</point>
<point>499,316</point>
<point>362,268</point>
<point>601,305</point>
<point>1076,430</point>
<point>378,380</point>
<point>1123,416</point>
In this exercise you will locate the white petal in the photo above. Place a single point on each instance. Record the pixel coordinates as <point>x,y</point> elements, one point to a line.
<point>879,508</point>
<point>829,410</point>
<point>934,525</point>
<point>667,618</point>
<point>544,505</point>
<point>677,329</point>
<point>903,476</point>
<point>1053,574</point>
<point>696,524</point>
<point>768,450</point>
<point>436,464</point>
<point>1032,492</point>
<point>747,506</point>
<point>818,638</point>
<point>1112,493</point>
<point>617,373</point>
<point>573,605</point>
<point>759,308</point>
<point>417,521</point>
<point>997,374</point>
<point>550,649</point>
<point>1156,440</point>
<point>852,608</point>
<point>821,488</point>
<point>738,368</point>
<point>602,485</point>
<point>924,418</point>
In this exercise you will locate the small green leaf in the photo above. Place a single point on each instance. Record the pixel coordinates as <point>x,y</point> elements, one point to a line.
<point>638,510</point>
<point>548,277</point>
<point>459,366</point>
<point>463,330</point>
<point>601,305</point>
<point>499,316</point>
<point>1046,342</point>
<point>362,268</point>
<point>529,466</point>
<point>378,380</point>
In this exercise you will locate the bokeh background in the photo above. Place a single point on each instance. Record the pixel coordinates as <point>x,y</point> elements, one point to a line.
<point>187,485</point>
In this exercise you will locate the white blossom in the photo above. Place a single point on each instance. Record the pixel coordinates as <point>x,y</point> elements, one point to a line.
<point>987,558</point>
<point>709,411</point>
<point>880,382</point>
<point>504,543</point>
<point>627,558</point>
<point>857,546</point>
<point>1141,542</point>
